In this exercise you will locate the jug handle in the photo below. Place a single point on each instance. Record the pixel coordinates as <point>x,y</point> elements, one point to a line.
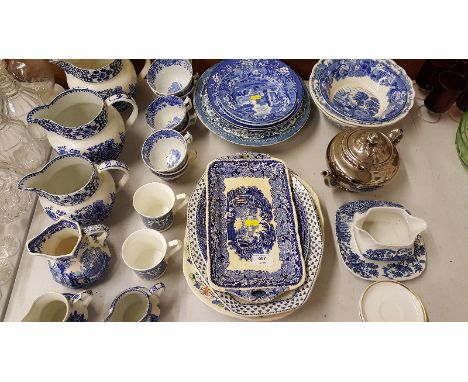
<point>144,71</point>
<point>157,288</point>
<point>122,97</point>
<point>116,165</point>
<point>100,230</point>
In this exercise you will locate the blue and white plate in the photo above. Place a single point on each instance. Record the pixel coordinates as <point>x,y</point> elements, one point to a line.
<point>241,136</point>
<point>252,232</point>
<point>403,269</point>
<point>362,92</point>
<point>311,237</point>
<point>254,92</point>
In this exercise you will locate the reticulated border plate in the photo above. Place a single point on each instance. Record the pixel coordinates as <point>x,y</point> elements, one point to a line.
<point>374,270</point>
<point>254,92</point>
<point>241,136</point>
<point>290,300</point>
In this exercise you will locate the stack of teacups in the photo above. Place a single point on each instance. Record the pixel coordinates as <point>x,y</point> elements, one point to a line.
<point>171,77</point>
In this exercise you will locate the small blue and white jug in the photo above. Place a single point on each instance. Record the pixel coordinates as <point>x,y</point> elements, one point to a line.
<point>77,256</point>
<point>137,304</point>
<point>60,307</point>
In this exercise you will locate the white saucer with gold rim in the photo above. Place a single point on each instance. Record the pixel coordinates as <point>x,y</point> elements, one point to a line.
<point>390,301</point>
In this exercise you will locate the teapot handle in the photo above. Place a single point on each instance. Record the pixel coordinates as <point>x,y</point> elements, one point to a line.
<point>145,69</point>
<point>122,97</point>
<point>100,230</point>
<point>116,165</point>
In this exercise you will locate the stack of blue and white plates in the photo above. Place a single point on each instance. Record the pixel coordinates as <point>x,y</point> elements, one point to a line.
<point>252,102</point>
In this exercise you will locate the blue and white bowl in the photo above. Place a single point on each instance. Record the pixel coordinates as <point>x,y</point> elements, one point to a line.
<point>168,112</point>
<point>165,151</point>
<point>170,77</point>
<point>361,93</point>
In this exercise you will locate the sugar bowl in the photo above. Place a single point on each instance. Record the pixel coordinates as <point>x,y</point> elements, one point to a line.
<point>362,159</point>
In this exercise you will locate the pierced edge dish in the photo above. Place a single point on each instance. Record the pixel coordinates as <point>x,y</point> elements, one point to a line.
<point>300,278</point>
<point>266,309</point>
<point>213,122</point>
<point>415,296</point>
<point>349,255</point>
<point>342,122</point>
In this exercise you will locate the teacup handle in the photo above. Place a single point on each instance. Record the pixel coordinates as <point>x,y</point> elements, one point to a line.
<point>84,297</point>
<point>191,155</point>
<point>157,288</point>
<point>116,165</point>
<point>188,104</point>
<point>144,71</point>
<point>122,97</point>
<point>174,246</point>
<point>192,119</point>
<point>188,138</point>
<point>100,230</point>
<point>184,200</point>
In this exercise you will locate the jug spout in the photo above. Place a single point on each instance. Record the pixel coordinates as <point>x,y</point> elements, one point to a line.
<point>416,225</point>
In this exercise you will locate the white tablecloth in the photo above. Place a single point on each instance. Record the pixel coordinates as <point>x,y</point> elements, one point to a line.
<point>431,183</point>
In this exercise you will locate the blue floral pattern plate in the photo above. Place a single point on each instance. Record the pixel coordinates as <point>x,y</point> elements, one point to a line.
<point>252,234</point>
<point>254,92</point>
<point>362,92</point>
<point>236,134</point>
<point>310,228</point>
<point>406,268</point>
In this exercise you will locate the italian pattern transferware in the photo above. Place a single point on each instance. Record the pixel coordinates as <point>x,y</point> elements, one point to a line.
<point>408,267</point>
<point>254,92</point>
<point>253,240</point>
<point>312,243</point>
<point>361,92</point>
<point>238,134</point>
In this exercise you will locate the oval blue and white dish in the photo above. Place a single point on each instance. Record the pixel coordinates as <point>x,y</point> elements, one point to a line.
<point>254,92</point>
<point>362,92</point>
<point>407,267</point>
<point>246,137</point>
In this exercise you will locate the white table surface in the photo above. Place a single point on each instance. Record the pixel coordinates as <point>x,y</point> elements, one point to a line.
<point>431,183</point>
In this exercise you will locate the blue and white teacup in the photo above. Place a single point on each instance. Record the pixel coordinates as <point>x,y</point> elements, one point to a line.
<point>166,151</point>
<point>170,76</point>
<point>168,112</point>
<point>156,204</point>
<point>146,252</point>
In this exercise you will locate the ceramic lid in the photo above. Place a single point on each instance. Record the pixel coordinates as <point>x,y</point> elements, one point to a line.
<point>390,301</point>
<point>364,157</point>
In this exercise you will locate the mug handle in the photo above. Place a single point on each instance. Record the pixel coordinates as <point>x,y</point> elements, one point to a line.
<point>184,200</point>
<point>144,71</point>
<point>116,165</point>
<point>176,245</point>
<point>100,230</point>
<point>157,288</point>
<point>122,97</point>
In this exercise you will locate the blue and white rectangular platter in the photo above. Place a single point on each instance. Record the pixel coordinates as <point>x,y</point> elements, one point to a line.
<point>252,231</point>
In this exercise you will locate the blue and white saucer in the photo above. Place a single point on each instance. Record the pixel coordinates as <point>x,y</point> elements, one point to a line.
<point>247,137</point>
<point>407,268</point>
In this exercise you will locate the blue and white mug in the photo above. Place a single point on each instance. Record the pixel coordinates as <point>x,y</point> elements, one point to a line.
<point>146,252</point>
<point>156,204</point>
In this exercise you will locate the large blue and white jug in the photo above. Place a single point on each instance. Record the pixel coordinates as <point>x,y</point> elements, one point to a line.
<point>107,77</point>
<point>79,121</point>
<point>74,188</point>
<point>77,256</point>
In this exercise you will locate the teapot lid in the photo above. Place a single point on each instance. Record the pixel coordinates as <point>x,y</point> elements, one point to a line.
<point>364,157</point>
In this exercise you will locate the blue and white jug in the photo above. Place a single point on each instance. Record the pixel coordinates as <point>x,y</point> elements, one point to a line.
<point>137,304</point>
<point>79,122</point>
<point>107,77</point>
<point>60,307</point>
<point>78,257</point>
<point>72,187</point>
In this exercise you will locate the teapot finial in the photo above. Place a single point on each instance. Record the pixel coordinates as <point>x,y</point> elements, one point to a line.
<point>395,135</point>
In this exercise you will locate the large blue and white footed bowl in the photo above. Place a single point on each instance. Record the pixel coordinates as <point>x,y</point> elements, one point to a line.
<point>361,93</point>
